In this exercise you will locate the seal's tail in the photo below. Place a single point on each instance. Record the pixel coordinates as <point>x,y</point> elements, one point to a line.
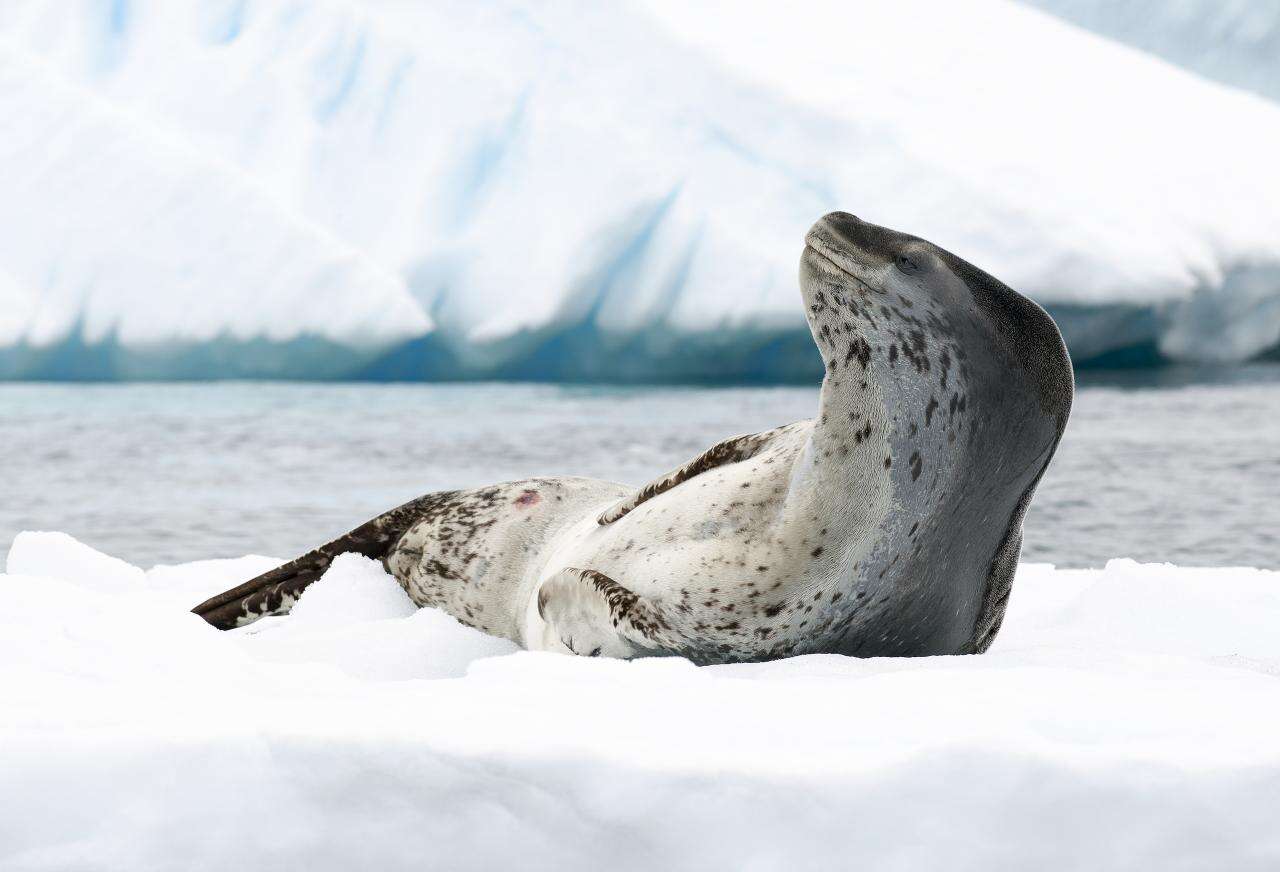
<point>275,592</point>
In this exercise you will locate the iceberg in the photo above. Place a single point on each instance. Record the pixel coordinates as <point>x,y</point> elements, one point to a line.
<point>1125,718</point>
<point>567,191</point>
<point>120,234</point>
<point>1236,42</point>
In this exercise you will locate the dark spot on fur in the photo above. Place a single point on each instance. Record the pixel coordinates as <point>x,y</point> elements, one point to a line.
<point>860,350</point>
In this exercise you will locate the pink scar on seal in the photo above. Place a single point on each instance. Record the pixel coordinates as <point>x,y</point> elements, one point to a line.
<point>528,498</point>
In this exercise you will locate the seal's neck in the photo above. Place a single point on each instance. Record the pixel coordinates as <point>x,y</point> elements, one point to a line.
<point>888,440</point>
<point>841,478</point>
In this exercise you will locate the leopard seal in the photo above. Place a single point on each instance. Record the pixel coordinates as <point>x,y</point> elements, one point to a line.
<point>890,524</point>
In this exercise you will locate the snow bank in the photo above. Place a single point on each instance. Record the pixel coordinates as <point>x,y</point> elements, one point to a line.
<point>1125,719</point>
<point>546,178</point>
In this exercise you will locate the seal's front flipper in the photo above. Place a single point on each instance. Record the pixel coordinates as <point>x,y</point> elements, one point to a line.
<point>275,592</point>
<point>590,614</point>
<point>729,451</point>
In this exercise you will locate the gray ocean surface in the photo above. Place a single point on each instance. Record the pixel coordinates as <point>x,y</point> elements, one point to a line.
<point>1157,468</point>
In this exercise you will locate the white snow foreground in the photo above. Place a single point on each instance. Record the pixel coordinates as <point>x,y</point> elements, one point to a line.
<point>1127,718</point>
<point>498,170</point>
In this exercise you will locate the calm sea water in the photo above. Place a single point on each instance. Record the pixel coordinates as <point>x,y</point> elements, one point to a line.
<point>1183,471</point>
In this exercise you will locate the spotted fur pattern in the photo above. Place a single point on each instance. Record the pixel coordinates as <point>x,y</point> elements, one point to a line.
<point>887,525</point>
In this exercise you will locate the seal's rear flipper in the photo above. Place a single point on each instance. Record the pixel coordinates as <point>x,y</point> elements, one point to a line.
<point>275,592</point>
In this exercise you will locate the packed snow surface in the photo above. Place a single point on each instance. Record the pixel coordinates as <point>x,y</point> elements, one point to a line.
<point>1127,718</point>
<point>495,175</point>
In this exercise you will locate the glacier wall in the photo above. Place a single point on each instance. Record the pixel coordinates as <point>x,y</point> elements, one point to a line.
<point>1236,42</point>
<point>388,189</point>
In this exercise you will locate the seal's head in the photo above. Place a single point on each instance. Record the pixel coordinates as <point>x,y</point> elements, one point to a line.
<point>969,385</point>
<point>902,291</point>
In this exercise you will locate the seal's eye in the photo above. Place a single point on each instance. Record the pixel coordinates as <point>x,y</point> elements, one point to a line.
<point>908,264</point>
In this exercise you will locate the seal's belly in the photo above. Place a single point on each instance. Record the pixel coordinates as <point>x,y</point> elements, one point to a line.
<point>478,556</point>
<point>732,558</point>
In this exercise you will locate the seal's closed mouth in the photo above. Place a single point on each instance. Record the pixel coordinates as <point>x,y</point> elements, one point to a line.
<point>828,254</point>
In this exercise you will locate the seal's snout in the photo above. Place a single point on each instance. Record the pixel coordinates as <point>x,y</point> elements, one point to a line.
<point>832,229</point>
<point>850,235</point>
<point>840,221</point>
<point>841,242</point>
